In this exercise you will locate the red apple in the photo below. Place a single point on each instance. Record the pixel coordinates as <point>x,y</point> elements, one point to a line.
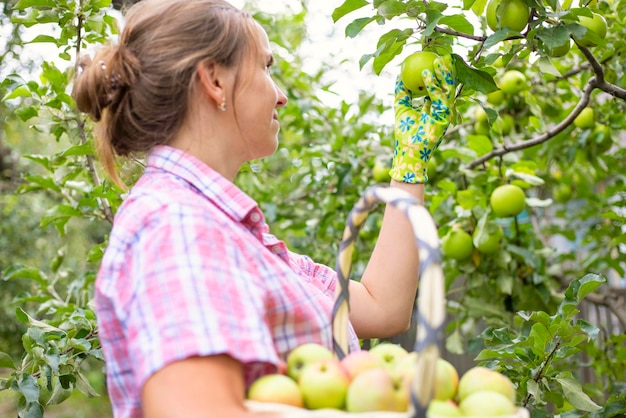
<point>377,390</point>
<point>357,362</point>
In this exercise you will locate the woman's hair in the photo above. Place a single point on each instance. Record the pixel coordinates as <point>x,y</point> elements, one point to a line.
<point>139,89</point>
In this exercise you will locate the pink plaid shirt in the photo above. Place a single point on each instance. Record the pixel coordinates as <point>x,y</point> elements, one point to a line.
<point>191,269</point>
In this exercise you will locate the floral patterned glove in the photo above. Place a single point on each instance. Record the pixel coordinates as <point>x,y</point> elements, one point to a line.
<point>419,130</point>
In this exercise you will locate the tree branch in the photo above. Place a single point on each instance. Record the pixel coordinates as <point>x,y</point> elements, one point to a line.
<point>550,133</point>
<point>106,207</point>
<point>460,34</point>
<point>601,83</point>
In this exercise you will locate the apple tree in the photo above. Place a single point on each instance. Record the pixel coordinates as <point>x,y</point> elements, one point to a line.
<point>540,108</point>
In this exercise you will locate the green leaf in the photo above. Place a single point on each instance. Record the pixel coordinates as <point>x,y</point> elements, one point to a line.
<point>579,288</point>
<point>43,39</point>
<point>348,7</point>
<point>554,36</point>
<point>391,8</point>
<point>22,316</point>
<point>357,25</point>
<point>457,22</point>
<point>22,272</point>
<point>6,361</point>
<point>480,143</point>
<point>24,4</point>
<point>499,36</point>
<point>573,392</point>
<point>20,91</point>
<point>28,386</point>
<point>474,79</point>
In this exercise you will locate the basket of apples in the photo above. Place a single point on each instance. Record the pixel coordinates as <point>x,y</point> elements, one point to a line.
<point>386,381</point>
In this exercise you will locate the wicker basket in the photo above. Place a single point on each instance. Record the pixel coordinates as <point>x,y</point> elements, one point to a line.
<point>430,303</point>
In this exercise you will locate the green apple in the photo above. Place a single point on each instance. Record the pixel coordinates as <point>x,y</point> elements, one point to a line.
<point>380,172</point>
<point>479,379</point>
<point>304,355</point>
<point>324,384</point>
<point>276,388</point>
<point>562,192</point>
<point>513,82</point>
<point>457,244</point>
<point>377,390</point>
<point>357,362</point>
<point>507,123</point>
<point>507,200</point>
<point>511,14</point>
<point>560,51</point>
<point>446,380</point>
<point>480,114</point>
<point>585,119</point>
<point>390,353</point>
<point>596,25</point>
<point>602,138</point>
<point>495,97</point>
<point>489,242</point>
<point>482,128</point>
<point>411,71</point>
<point>443,409</point>
<point>486,404</point>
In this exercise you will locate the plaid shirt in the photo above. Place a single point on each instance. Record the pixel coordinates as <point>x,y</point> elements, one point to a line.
<point>190,270</point>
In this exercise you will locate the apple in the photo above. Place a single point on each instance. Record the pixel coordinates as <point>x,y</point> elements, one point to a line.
<point>495,97</point>
<point>562,192</point>
<point>377,390</point>
<point>507,200</point>
<point>437,408</point>
<point>486,404</point>
<point>479,379</point>
<point>507,123</point>
<point>513,82</point>
<point>511,14</point>
<point>411,71</point>
<point>585,119</point>
<point>390,353</point>
<point>560,51</point>
<point>602,138</point>
<point>357,362</point>
<point>457,244</point>
<point>277,388</point>
<point>324,384</point>
<point>482,128</point>
<point>480,114</point>
<point>304,355</point>
<point>446,380</point>
<point>489,242</point>
<point>380,172</point>
<point>596,25</point>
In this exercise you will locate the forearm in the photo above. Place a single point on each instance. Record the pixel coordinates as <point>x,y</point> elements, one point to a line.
<point>381,304</point>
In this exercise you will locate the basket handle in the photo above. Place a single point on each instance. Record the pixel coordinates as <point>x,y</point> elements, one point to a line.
<point>431,294</point>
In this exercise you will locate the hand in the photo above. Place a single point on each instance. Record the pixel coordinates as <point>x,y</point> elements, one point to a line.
<point>419,130</point>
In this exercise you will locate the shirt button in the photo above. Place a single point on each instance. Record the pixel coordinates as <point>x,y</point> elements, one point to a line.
<point>255,217</point>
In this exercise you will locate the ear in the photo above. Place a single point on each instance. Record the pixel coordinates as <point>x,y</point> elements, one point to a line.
<point>212,81</point>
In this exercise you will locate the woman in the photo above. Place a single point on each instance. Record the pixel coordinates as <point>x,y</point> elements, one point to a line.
<point>195,298</point>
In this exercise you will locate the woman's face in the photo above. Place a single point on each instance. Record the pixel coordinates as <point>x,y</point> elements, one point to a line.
<point>258,98</point>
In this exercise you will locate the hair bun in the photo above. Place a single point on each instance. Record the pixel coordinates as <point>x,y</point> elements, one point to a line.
<point>105,80</point>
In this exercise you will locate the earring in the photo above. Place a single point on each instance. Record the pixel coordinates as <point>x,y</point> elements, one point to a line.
<point>222,106</point>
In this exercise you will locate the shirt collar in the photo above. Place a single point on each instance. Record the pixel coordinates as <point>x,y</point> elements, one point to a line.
<point>225,194</point>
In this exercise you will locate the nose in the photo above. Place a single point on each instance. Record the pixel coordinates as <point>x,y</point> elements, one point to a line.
<point>281,99</point>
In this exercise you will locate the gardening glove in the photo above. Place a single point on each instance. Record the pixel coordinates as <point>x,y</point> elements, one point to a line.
<point>418,131</point>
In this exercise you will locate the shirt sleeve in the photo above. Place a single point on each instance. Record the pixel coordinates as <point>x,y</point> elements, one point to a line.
<point>192,297</point>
